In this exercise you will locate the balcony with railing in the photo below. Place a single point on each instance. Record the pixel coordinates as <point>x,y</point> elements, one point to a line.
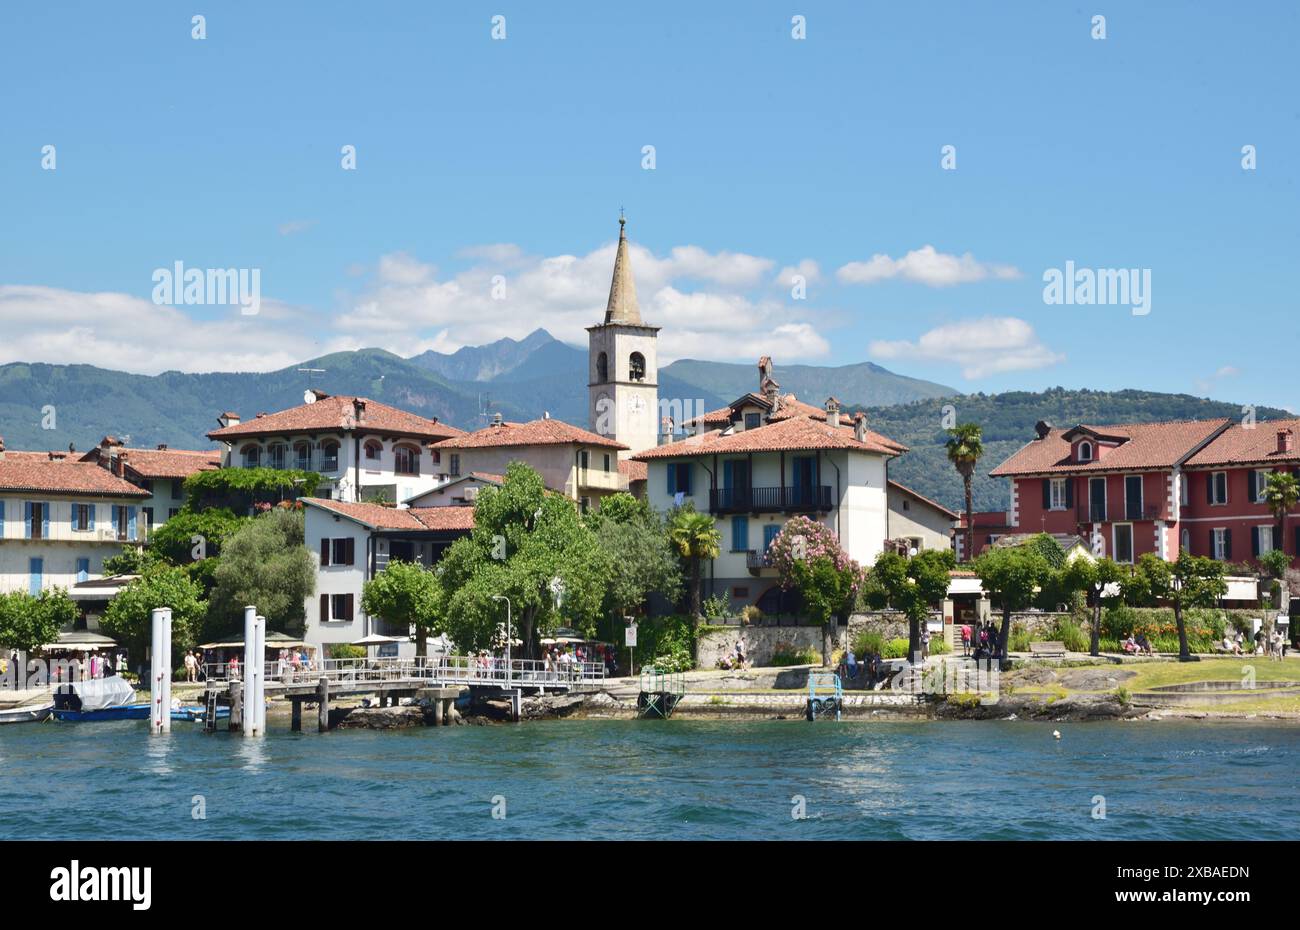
<point>790,499</point>
<point>1124,514</point>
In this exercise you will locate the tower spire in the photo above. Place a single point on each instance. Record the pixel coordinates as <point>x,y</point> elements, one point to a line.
<point>622,306</point>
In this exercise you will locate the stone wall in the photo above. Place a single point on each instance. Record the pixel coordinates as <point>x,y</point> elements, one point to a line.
<point>761,642</point>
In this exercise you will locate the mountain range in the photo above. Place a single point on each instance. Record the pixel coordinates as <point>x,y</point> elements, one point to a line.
<point>45,406</point>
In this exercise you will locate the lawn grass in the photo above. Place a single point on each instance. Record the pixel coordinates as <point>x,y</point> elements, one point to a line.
<point>1154,674</point>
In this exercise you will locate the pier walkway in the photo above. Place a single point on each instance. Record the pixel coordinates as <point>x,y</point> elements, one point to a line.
<point>440,679</point>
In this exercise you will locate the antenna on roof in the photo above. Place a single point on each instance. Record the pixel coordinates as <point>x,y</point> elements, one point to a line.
<point>485,407</point>
<point>308,396</point>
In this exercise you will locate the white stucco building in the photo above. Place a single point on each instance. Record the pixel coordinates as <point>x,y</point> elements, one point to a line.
<point>763,459</point>
<point>160,471</point>
<point>365,450</point>
<point>61,518</point>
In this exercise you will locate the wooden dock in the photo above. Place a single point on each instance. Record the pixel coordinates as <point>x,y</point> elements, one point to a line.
<point>440,680</point>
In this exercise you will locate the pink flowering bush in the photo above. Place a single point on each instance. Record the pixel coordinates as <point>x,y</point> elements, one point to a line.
<point>803,539</point>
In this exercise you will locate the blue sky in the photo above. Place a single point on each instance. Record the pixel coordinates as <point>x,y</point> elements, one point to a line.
<point>478,157</point>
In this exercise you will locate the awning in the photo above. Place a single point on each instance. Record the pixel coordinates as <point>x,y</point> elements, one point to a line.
<point>375,639</point>
<point>274,640</point>
<point>80,641</point>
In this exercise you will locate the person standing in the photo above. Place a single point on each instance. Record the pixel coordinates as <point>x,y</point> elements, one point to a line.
<point>191,667</point>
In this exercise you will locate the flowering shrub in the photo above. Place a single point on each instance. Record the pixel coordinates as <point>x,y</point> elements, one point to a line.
<point>803,539</point>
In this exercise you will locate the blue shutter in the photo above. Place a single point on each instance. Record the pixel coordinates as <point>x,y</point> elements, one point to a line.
<point>130,523</point>
<point>35,568</point>
<point>739,534</point>
<point>672,478</point>
<point>770,532</point>
<point>27,519</point>
<point>91,509</point>
<point>45,521</point>
<point>83,569</point>
<point>728,473</point>
<point>2,519</point>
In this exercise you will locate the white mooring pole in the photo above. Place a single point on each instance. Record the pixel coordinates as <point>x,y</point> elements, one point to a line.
<point>251,662</point>
<point>260,672</point>
<point>161,670</point>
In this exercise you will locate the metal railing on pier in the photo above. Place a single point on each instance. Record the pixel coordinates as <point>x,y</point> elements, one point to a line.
<point>436,670</point>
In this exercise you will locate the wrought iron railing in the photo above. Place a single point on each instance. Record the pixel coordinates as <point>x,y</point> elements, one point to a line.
<point>770,499</point>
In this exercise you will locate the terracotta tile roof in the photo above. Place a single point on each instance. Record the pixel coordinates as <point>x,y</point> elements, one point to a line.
<point>1145,446</point>
<point>544,432</point>
<point>633,471</point>
<point>796,434</point>
<point>163,463</point>
<point>1254,446</point>
<point>35,472</point>
<point>331,413</point>
<point>921,497</point>
<point>380,517</point>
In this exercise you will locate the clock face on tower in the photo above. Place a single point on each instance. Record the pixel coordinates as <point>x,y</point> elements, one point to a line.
<point>636,405</point>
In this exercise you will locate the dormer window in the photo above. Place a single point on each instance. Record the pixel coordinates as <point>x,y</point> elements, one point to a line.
<point>1085,451</point>
<point>636,366</point>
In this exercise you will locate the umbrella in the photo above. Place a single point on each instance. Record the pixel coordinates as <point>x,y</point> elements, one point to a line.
<point>375,639</point>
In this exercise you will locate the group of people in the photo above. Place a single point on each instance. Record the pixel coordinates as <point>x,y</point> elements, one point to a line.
<point>736,658</point>
<point>1271,644</point>
<point>1138,644</point>
<point>869,667</point>
<point>980,642</point>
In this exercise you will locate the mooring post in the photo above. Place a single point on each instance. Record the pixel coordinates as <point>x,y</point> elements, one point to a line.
<point>236,706</point>
<point>323,704</point>
<point>295,721</point>
<point>437,711</point>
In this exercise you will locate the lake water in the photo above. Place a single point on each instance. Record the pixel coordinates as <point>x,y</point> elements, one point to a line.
<point>681,779</point>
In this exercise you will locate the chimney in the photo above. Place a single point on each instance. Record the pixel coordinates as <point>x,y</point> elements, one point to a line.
<point>359,409</point>
<point>546,414</point>
<point>229,418</point>
<point>496,419</point>
<point>1042,428</point>
<point>1284,440</point>
<point>2,448</point>
<point>119,463</point>
<point>162,447</point>
<point>832,411</point>
<point>860,426</point>
<point>665,430</point>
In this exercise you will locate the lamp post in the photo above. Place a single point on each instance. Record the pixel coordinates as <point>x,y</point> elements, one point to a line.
<point>502,597</point>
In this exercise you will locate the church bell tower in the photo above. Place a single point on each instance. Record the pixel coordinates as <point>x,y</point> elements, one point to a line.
<point>623,364</point>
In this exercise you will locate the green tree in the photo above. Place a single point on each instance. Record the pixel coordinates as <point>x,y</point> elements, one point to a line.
<point>407,594</point>
<point>1192,581</point>
<point>1012,576</point>
<point>965,447</point>
<point>1281,492</point>
<point>264,564</point>
<point>694,538</point>
<point>531,546</point>
<point>174,542</point>
<point>640,559</point>
<point>1101,581</point>
<point>129,616</point>
<point>132,560</point>
<point>27,622</point>
<point>913,586</point>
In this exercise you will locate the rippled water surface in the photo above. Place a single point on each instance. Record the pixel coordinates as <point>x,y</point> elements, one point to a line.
<point>586,779</point>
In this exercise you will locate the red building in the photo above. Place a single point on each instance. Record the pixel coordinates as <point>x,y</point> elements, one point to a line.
<point>1193,485</point>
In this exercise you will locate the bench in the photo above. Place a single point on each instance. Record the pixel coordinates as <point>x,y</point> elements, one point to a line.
<point>1049,648</point>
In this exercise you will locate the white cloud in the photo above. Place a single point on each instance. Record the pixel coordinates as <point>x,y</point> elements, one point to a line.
<point>810,270</point>
<point>295,226</point>
<point>982,347</point>
<point>126,333</point>
<point>567,293</point>
<point>924,266</point>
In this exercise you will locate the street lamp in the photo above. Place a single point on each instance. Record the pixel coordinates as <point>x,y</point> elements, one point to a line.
<point>502,597</point>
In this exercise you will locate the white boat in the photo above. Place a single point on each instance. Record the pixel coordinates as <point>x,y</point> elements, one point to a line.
<point>27,713</point>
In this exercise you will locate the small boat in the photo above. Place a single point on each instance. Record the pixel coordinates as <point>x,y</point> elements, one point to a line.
<point>110,698</point>
<point>31,713</point>
<point>195,713</point>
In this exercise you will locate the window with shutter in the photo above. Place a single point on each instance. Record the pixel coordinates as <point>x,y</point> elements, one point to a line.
<point>324,552</point>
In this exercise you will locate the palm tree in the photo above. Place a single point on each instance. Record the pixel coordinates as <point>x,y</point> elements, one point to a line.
<point>965,447</point>
<point>1281,492</point>
<point>694,537</point>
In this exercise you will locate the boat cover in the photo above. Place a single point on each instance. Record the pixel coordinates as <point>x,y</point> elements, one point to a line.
<point>101,693</point>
